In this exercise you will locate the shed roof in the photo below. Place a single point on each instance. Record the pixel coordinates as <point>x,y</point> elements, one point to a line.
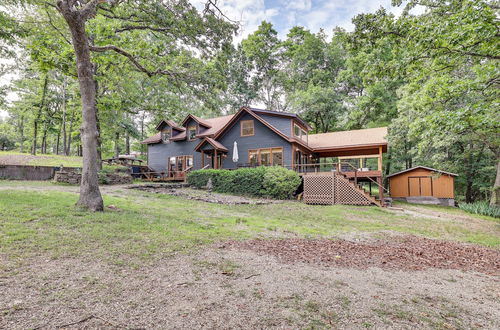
<point>354,138</point>
<point>423,167</point>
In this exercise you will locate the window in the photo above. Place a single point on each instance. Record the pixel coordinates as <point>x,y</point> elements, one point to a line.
<point>247,128</point>
<point>266,157</point>
<point>253,157</point>
<point>166,134</point>
<point>191,132</point>
<point>299,132</point>
<point>277,156</point>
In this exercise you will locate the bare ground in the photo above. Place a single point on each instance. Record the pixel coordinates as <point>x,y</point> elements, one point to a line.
<point>240,286</point>
<point>221,288</point>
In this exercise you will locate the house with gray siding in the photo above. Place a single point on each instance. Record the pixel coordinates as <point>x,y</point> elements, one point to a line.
<point>256,137</point>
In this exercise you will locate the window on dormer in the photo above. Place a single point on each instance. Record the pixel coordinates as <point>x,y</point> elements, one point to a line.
<point>166,134</point>
<point>299,132</point>
<point>192,132</point>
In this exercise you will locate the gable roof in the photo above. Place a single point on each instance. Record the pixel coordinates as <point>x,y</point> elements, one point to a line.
<point>215,144</point>
<point>423,167</point>
<point>248,110</point>
<point>170,123</point>
<point>216,125</point>
<point>202,122</point>
<point>282,114</point>
<point>354,138</point>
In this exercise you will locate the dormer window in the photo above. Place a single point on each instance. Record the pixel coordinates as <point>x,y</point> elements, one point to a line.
<point>192,132</point>
<point>166,134</point>
<point>247,128</point>
<point>299,132</point>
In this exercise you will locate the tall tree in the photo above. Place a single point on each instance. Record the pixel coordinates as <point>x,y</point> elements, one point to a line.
<point>169,31</point>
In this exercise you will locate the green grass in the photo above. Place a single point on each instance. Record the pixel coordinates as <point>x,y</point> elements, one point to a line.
<point>44,160</point>
<point>147,226</point>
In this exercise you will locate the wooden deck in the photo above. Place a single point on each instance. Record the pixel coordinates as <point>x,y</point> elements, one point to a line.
<point>351,174</point>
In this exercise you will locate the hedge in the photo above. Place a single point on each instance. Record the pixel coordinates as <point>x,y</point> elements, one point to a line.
<point>274,182</point>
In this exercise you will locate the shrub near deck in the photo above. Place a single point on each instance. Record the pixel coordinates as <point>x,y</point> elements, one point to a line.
<point>274,182</point>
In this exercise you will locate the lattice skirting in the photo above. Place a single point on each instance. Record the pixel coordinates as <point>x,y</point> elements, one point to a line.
<point>329,189</point>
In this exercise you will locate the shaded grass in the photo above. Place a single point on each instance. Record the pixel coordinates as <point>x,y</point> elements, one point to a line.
<point>46,160</point>
<point>146,226</point>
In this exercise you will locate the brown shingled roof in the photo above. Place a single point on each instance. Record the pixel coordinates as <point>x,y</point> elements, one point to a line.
<point>216,123</point>
<point>153,139</point>
<point>360,137</point>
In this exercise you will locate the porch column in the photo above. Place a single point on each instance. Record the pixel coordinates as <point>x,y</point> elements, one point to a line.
<point>216,166</point>
<point>380,159</point>
<point>202,158</point>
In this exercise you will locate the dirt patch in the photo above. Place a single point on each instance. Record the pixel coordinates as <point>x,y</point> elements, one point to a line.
<point>405,252</point>
<point>228,289</point>
<point>203,195</point>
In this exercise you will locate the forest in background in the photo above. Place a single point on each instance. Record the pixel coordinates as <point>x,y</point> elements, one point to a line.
<point>432,78</point>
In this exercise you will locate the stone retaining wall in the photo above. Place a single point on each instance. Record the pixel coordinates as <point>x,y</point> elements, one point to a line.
<point>109,178</point>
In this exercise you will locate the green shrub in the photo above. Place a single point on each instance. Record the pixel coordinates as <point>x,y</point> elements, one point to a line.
<point>280,183</point>
<point>274,182</point>
<point>483,208</point>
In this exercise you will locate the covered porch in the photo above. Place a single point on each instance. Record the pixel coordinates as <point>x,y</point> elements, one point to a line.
<point>212,153</point>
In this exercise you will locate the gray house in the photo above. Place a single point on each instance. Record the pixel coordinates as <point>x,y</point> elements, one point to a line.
<point>263,137</point>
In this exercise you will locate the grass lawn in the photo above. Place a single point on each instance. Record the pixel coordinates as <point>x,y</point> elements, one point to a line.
<point>149,260</point>
<point>17,158</point>
<point>146,224</point>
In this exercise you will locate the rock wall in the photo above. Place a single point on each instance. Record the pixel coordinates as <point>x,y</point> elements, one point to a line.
<point>108,178</point>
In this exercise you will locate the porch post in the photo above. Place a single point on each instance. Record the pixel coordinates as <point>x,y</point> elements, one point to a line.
<point>216,166</point>
<point>379,179</point>
<point>380,159</point>
<point>202,158</point>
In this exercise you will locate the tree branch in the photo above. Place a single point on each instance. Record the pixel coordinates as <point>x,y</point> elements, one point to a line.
<point>133,60</point>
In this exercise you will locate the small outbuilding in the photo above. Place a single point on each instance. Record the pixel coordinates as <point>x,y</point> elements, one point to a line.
<point>423,185</point>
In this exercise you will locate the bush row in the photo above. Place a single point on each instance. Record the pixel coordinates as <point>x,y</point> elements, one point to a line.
<point>483,208</point>
<point>273,182</point>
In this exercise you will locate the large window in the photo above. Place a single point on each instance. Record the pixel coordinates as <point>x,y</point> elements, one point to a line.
<point>299,132</point>
<point>192,132</point>
<point>266,157</point>
<point>247,128</point>
<point>253,157</point>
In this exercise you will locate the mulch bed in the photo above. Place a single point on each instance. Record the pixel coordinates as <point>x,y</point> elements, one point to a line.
<point>406,253</point>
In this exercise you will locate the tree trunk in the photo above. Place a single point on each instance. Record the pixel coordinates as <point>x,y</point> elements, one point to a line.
<point>21,134</point>
<point>44,139</point>
<point>90,196</point>
<point>142,132</point>
<point>38,115</point>
<point>117,144</point>
<point>64,137</point>
<point>67,151</point>
<point>127,144</point>
<point>58,142</point>
<point>495,193</point>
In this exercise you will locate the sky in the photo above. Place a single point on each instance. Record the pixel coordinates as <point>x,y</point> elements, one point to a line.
<point>284,14</point>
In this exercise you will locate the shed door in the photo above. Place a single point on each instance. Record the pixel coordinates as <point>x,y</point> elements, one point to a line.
<point>414,186</point>
<point>426,186</point>
<point>420,186</point>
